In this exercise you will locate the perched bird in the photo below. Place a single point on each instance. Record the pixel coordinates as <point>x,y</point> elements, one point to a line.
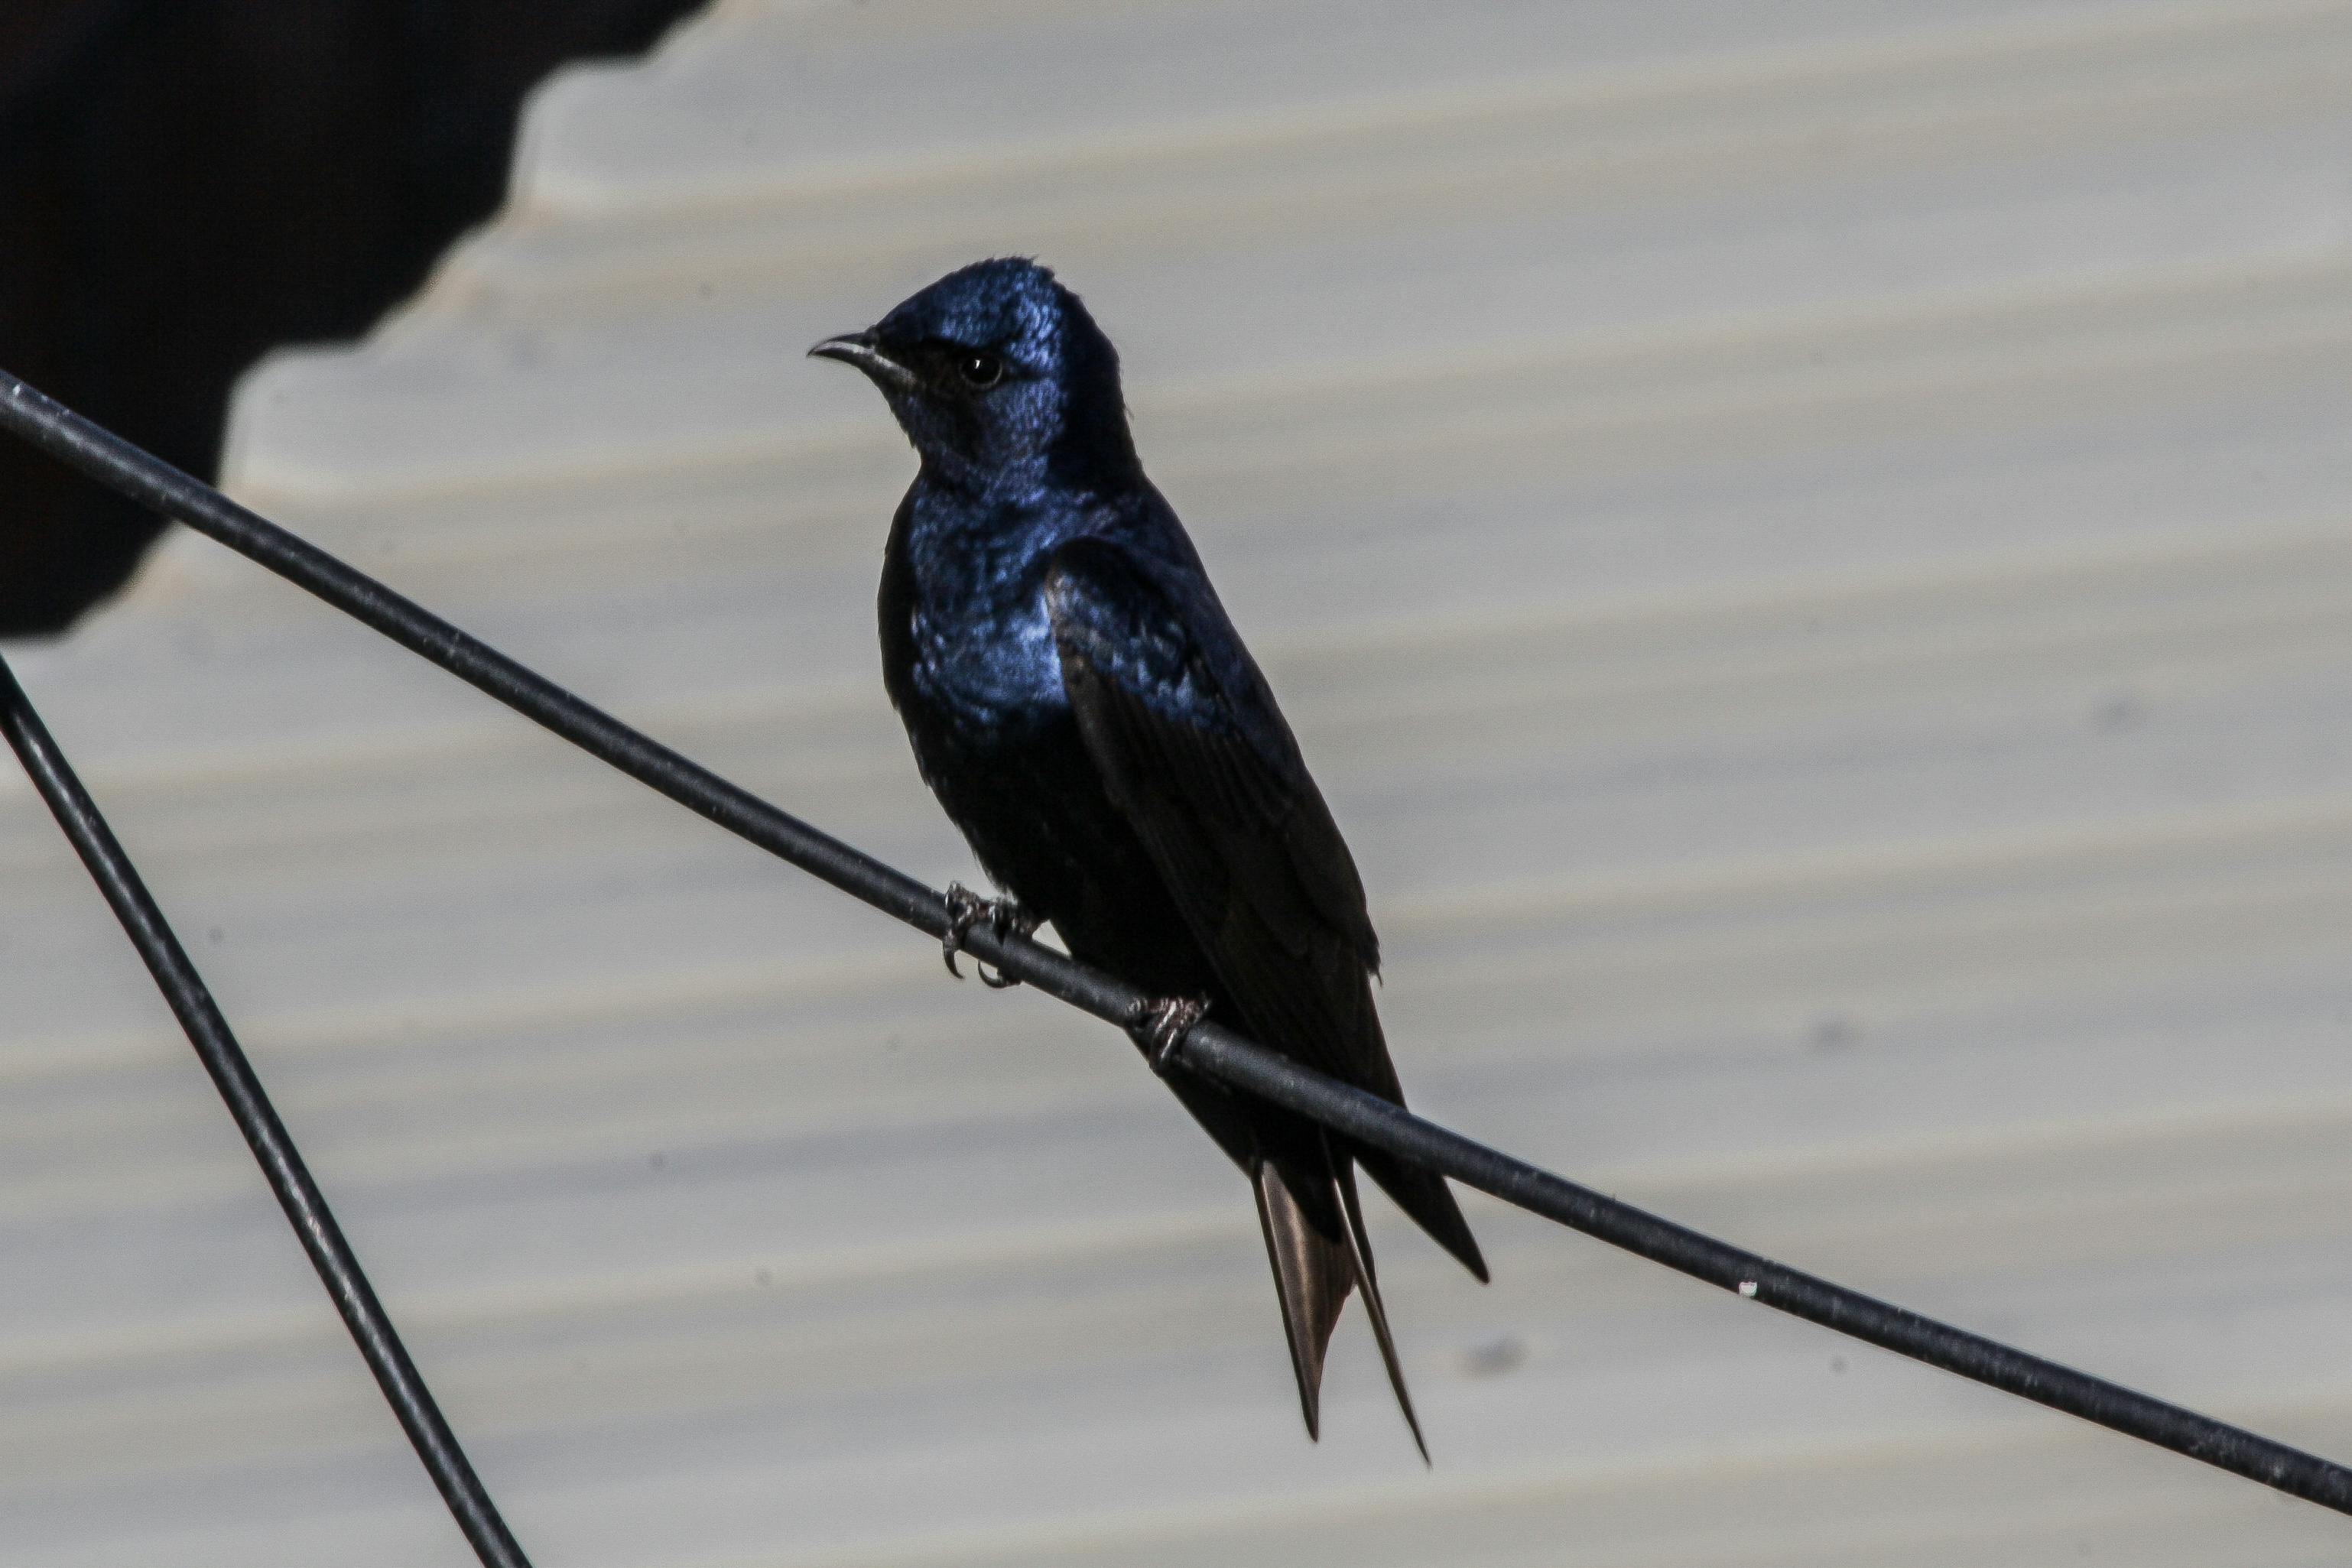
<point>1086,712</point>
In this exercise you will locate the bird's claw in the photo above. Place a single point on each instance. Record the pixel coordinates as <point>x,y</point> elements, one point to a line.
<point>1159,1027</point>
<point>966,909</point>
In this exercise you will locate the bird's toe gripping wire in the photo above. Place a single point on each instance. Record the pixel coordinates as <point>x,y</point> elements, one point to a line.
<point>1160,1026</point>
<point>966,909</point>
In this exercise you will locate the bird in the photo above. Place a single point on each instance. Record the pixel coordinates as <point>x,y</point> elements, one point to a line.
<point>1085,710</point>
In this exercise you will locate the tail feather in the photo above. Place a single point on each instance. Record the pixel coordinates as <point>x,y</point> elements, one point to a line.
<point>1312,1275</point>
<point>1316,1241</point>
<point>1359,1254</point>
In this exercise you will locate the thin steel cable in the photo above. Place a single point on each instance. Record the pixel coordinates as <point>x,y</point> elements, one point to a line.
<point>1207,1048</point>
<point>273,1147</point>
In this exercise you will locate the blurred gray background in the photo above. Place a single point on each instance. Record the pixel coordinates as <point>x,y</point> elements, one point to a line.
<point>1810,546</point>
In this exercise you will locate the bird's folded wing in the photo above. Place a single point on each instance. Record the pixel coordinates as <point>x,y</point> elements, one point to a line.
<point>1235,826</point>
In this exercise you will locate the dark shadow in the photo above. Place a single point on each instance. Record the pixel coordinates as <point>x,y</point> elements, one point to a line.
<point>185,184</point>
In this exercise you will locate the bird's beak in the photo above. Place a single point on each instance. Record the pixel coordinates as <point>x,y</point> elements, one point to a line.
<point>861,349</point>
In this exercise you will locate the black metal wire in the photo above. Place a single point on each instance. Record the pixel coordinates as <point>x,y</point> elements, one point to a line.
<point>233,1075</point>
<point>1208,1049</point>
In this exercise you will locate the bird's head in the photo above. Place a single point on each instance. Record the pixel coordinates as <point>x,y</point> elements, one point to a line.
<point>997,375</point>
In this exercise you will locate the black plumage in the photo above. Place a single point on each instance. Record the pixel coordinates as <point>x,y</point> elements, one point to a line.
<point>1084,709</point>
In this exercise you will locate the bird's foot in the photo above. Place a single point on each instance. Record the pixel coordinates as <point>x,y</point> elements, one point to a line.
<point>966,909</point>
<point>1159,1027</point>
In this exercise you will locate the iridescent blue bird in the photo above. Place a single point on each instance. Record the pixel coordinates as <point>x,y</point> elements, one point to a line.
<point>1087,714</point>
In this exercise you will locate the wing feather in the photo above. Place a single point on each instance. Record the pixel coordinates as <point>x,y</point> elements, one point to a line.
<point>1211,781</point>
<point>1244,840</point>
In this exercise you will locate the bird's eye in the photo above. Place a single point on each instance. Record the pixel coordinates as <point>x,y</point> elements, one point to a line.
<point>980,370</point>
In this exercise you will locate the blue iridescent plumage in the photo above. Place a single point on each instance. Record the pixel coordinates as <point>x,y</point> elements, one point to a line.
<point>1082,707</point>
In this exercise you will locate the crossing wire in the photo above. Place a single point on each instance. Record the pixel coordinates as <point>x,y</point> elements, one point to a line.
<point>273,1147</point>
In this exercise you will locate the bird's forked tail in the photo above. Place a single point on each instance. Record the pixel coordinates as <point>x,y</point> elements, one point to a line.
<point>1314,1240</point>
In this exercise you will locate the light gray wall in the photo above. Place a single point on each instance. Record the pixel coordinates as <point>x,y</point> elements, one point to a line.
<point>1808,545</point>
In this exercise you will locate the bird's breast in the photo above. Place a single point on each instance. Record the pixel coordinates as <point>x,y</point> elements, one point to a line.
<point>991,669</point>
